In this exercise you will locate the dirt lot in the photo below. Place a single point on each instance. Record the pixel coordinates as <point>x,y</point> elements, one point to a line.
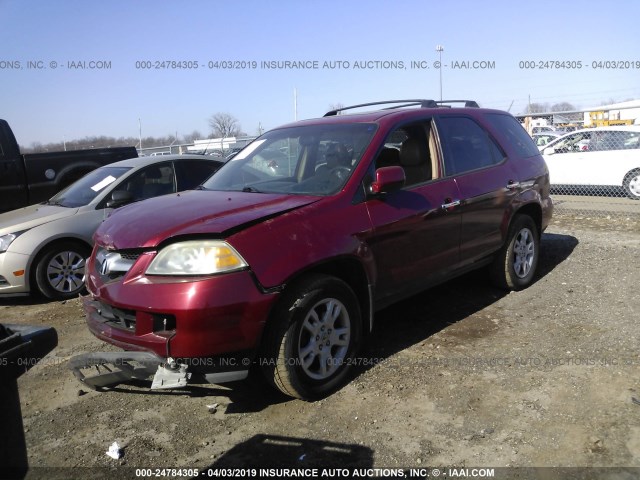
<point>462,375</point>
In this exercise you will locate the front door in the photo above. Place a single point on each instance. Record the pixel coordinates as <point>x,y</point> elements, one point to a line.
<point>416,230</point>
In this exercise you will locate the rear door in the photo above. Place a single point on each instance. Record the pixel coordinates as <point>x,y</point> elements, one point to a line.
<point>486,181</point>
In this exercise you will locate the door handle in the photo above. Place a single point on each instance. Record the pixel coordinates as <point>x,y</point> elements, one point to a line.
<point>450,204</point>
<point>513,185</point>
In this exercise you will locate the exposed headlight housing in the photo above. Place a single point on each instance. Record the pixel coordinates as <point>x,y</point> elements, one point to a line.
<point>196,257</point>
<point>5,241</point>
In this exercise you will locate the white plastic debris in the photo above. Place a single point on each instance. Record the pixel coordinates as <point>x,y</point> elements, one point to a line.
<point>213,408</point>
<point>115,451</point>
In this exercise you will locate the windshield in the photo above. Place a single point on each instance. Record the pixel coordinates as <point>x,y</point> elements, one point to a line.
<point>83,191</point>
<point>308,160</point>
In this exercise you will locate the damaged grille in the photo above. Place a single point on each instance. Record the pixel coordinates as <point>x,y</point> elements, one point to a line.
<point>112,265</point>
<point>118,317</point>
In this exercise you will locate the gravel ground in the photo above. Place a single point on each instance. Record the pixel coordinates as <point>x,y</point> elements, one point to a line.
<point>462,375</point>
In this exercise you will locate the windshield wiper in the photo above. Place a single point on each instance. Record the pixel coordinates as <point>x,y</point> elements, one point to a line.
<point>251,189</point>
<point>57,204</point>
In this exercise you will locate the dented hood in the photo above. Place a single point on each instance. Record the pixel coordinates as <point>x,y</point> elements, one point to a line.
<point>196,212</point>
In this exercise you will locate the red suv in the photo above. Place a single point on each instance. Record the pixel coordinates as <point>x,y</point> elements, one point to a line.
<point>281,259</point>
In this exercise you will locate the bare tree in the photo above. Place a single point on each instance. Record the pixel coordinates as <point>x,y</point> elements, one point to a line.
<point>192,137</point>
<point>562,107</point>
<point>224,125</point>
<point>537,108</point>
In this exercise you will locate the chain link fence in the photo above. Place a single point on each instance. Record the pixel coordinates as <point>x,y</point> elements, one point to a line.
<point>594,171</point>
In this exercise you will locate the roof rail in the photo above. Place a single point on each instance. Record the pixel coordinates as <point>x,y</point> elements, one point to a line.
<point>467,103</point>
<point>423,103</point>
<point>406,103</point>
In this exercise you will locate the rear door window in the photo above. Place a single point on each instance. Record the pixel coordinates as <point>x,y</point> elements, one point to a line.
<point>191,173</point>
<point>467,145</point>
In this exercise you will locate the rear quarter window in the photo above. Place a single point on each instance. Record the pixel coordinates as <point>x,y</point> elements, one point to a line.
<point>516,135</point>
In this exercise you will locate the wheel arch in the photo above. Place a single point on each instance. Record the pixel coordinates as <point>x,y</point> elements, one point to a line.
<point>534,211</point>
<point>631,172</point>
<point>351,271</point>
<point>41,251</point>
<point>627,178</point>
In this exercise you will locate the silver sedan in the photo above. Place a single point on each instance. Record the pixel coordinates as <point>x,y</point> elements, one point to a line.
<point>43,247</point>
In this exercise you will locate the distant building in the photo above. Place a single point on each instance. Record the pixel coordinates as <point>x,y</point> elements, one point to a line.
<point>616,113</point>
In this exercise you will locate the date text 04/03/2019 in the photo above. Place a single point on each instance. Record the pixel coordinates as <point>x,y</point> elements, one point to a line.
<point>306,472</point>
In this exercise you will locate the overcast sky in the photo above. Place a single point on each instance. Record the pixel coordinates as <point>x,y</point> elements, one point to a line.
<point>368,47</point>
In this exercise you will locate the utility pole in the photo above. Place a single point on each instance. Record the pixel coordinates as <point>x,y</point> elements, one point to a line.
<point>440,49</point>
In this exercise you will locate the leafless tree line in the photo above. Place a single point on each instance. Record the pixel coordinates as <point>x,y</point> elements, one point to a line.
<point>222,125</point>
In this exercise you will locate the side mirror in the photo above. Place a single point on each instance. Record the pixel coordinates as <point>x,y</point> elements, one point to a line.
<point>549,151</point>
<point>387,180</point>
<point>119,198</point>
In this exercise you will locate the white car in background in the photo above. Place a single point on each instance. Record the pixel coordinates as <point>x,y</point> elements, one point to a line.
<point>43,247</point>
<point>544,138</point>
<point>605,156</point>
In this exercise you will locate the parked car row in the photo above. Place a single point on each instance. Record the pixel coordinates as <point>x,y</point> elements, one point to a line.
<point>44,247</point>
<point>279,261</point>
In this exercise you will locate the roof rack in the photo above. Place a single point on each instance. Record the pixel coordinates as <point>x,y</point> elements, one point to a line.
<point>423,103</point>
<point>467,103</point>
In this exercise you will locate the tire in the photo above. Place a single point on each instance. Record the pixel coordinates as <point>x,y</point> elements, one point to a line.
<point>515,264</point>
<point>307,353</point>
<point>631,184</point>
<point>60,270</point>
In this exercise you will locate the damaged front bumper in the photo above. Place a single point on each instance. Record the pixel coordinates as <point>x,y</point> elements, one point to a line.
<point>99,370</point>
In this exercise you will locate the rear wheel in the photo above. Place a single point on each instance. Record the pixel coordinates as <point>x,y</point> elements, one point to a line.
<point>515,264</point>
<point>632,184</point>
<point>312,338</point>
<point>60,270</point>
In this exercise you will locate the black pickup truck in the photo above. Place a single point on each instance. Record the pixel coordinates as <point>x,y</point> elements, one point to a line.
<point>34,178</point>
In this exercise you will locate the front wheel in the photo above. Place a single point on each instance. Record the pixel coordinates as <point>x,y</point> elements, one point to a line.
<point>60,270</point>
<point>632,184</point>
<point>515,264</point>
<point>313,337</point>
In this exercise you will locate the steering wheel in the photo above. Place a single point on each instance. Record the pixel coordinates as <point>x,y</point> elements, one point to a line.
<point>339,173</point>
